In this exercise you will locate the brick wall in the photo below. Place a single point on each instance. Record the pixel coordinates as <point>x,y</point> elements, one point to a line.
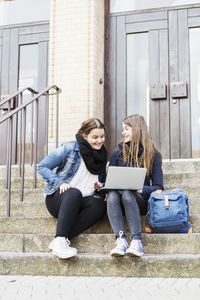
<point>76,54</point>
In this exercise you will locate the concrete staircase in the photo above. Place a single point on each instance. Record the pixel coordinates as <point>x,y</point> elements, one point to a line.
<point>24,237</point>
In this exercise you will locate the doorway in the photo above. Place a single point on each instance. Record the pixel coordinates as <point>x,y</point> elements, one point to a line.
<point>152,68</point>
<point>23,63</point>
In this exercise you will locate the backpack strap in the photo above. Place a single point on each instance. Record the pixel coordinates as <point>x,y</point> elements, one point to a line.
<point>166,198</point>
<point>166,202</point>
<point>158,192</point>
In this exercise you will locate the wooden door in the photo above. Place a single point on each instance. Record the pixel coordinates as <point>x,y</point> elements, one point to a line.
<point>165,97</point>
<point>21,47</point>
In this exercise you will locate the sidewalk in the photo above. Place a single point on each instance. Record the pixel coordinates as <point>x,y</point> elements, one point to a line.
<point>97,288</point>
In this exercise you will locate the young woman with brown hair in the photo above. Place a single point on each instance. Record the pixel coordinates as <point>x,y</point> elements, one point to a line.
<point>136,150</point>
<point>72,190</point>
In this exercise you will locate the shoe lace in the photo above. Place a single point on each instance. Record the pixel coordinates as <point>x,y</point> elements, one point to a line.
<point>120,240</point>
<point>67,242</point>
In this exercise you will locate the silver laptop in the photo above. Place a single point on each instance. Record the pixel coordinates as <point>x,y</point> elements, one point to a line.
<point>125,178</point>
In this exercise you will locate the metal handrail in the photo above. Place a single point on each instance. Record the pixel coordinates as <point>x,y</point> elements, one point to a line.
<point>18,98</point>
<point>17,94</point>
<point>22,130</point>
<point>43,93</point>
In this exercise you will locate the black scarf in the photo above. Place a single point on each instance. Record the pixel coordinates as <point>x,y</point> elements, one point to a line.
<point>95,160</point>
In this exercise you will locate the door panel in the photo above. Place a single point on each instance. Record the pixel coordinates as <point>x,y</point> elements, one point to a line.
<point>146,26</point>
<point>185,103</point>
<point>110,86</point>
<point>138,73</point>
<point>4,89</point>
<point>121,72</point>
<point>180,130</point>
<point>42,83</point>
<point>159,109</point>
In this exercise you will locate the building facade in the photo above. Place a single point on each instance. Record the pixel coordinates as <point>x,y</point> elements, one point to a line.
<point>111,59</point>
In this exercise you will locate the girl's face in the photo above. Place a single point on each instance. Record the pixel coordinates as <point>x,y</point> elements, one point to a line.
<point>95,138</point>
<point>126,133</point>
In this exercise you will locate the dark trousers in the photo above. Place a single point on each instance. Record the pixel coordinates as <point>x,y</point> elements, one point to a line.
<point>74,212</point>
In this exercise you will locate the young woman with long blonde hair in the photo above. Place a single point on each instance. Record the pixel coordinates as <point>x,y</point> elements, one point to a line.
<point>136,150</point>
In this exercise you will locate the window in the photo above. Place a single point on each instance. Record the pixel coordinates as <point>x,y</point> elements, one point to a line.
<point>23,11</point>
<point>128,5</point>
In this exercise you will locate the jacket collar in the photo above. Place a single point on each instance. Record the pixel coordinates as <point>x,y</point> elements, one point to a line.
<point>76,146</point>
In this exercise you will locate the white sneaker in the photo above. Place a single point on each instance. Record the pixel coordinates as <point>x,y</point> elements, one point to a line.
<point>135,248</point>
<point>50,247</point>
<point>60,247</point>
<point>121,247</point>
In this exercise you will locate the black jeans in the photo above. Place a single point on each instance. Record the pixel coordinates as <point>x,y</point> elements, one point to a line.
<point>74,212</point>
<point>133,205</point>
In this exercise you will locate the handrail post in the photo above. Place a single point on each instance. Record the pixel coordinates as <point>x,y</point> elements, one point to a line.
<point>9,161</point>
<point>47,124</point>
<point>57,116</point>
<point>36,143</point>
<point>23,152</point>
<point>8,145</point>
<point>31,148</point>
<point>20,136</point>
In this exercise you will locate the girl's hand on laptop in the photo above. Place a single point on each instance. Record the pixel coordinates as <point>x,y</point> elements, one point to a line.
<point>97,185</point>
<point>139,191</point>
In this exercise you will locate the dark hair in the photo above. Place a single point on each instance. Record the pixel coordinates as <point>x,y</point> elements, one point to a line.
<point>90,124</point>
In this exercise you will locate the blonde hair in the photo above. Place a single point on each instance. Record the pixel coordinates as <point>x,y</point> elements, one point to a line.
<point>140,135</point>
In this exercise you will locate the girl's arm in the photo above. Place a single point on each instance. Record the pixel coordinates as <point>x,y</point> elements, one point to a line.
<point>113,159</point>
<point>46,166</point>
<point>157,177</point>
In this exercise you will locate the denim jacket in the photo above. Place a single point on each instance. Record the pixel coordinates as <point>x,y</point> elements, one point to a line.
<point>66,159</point>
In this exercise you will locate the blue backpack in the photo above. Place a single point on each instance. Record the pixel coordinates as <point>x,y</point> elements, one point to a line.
<point>168,212</point>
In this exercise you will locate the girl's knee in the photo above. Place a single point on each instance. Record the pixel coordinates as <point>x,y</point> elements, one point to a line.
<point>75,192</point>
<point>128,196</point>
<point>113,197</point>
<point>72,195</point>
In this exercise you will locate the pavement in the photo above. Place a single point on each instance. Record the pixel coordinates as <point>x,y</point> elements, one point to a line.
<point>97,288</point>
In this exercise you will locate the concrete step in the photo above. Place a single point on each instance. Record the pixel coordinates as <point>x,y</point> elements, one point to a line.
<point>192,190</point>
<point>169,166</point>
<point>28,183</point>
<point>38,208</point>
<point>181,166</point>
<point>44,264</point>
<point>103,243</point>
<point>178,178</point>
<point>30,194</point>
<point>182,170</point>
<point>47,225</point>
<point>23,209</point>
<point>29,171</point>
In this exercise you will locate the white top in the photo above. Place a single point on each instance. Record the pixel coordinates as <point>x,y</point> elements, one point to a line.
<point>83,180</point>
